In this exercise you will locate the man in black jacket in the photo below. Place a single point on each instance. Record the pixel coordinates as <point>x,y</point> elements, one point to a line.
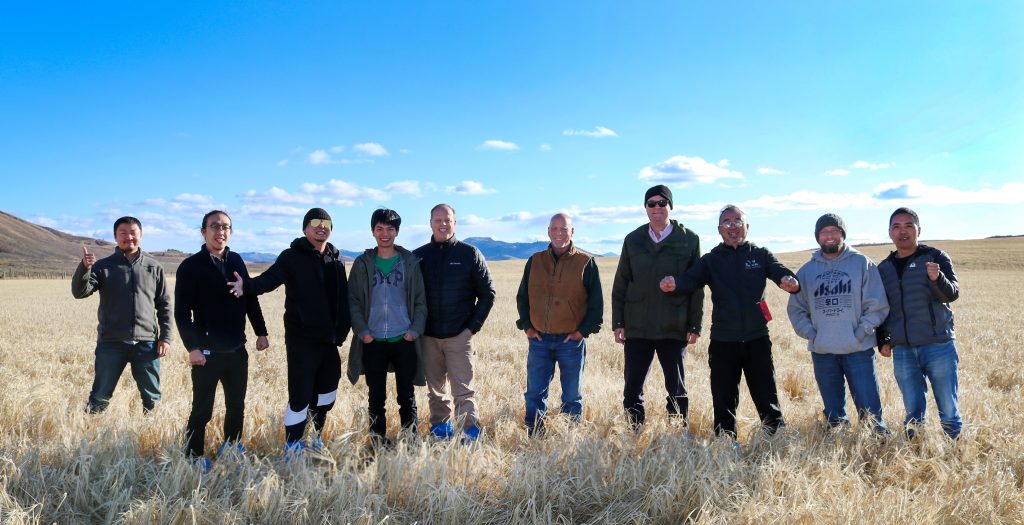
<point>460,294</point>
<point>918,333</point>
<point>212,327</point>
<point>736,270</point>
<point>316,323</point>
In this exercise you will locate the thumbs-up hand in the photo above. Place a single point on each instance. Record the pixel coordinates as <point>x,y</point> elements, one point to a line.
<point>235,287</point>
<point>933,270</point>
<point>88,259</point>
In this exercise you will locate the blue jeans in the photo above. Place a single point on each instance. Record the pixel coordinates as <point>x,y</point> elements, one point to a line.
<point>938,363</point>
<point>832,371</point>
<point>570,357</point>
<point>111,358</point>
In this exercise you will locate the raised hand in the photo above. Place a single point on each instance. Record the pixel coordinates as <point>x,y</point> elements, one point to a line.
<point>235,287</point>
<point>88,259</point>
<point>667,284</point>
<point>933,270</point>
<point>789,284</point>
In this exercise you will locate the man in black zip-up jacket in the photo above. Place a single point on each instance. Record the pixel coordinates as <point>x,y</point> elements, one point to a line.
<point>212,326</point>
<point>918,333</point>
<point>316,323</point>
<point>460,294</point>
<point>737,270</point>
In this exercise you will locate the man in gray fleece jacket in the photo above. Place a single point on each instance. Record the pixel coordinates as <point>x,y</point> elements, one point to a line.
<point>840,303</point>
<point>134,315</point>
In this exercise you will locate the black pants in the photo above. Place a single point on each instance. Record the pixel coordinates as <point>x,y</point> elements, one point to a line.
<point>753,359</point>
<point>400,356</point>
<point>639,355</point>
<point>231,370</point>
<point>314,369</point>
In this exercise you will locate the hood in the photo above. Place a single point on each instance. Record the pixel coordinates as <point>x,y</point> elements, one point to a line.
<point>847,252</point>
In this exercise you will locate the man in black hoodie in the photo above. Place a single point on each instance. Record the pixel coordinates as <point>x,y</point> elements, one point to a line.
<point>212,327</point>
<point>736,270</point>
<point>316,323</point>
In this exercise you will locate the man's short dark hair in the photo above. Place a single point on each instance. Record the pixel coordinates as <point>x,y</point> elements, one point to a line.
<point>902,210</point>
<point>127,219</point>
<point>212,213</point>
<point>385,216</point>
<point>442,205</point>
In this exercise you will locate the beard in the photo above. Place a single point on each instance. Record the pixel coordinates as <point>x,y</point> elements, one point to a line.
<point>831,249</point>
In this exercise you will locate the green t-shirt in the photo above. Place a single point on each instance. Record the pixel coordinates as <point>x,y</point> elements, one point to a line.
<point>385,266</point>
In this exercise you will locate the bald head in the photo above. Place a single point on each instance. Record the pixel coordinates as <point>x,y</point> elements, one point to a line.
<point>560,232</point>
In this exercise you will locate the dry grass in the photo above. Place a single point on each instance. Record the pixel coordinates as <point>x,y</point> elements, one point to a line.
<point>59,465</point>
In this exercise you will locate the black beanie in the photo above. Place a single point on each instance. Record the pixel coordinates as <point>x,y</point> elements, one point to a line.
<point>829,219</point>
<point>660,189</point>
<point>315,213</point>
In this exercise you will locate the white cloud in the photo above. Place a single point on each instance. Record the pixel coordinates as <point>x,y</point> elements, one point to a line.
<point>497,145</point>
<point>838,172</point>
<point>404,151</point>
<point>45,221</point>
<point>193,198</point>
<point>769,171</point>
<point>911,190</point>
<point>724,163</point>
<point>272,210</point>
<point>599,132</point>
<point>470,187</point>
<point>863,164</point>
<point>370,148</point>
<point>278,195</point>
<point>686,170</point>
<point>405,187</point>
<point>282,163</point>
<point>545,147</point>
<point>337,149</point>
<point>319,157</point>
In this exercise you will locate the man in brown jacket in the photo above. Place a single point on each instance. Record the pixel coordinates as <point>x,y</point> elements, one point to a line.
<point>560,304</point>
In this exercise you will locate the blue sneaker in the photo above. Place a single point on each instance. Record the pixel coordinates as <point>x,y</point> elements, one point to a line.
<point>203,464</point>
<point>228,447</point>
<point>294,449</point>
<point>442,431</point>
<point>316,444</point>
<point>470,435</point>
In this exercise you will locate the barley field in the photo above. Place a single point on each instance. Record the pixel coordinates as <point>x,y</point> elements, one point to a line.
<point>60,465</point>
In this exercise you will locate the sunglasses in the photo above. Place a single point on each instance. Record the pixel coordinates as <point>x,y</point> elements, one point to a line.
<point>320,223</point>
<point>661,204</point>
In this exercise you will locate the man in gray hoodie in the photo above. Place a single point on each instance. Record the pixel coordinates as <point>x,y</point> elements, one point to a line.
<point>840,303</point>
<point>388,303</point>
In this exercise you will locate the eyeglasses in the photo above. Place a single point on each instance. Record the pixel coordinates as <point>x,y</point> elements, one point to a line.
<point>320,223</point>
<point>729,224</point>
<point>661,204</point>
<point>219,226</point>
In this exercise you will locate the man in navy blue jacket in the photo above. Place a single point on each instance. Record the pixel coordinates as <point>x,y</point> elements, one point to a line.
<point>737,270</point>
<point>211,322</point>
<point>918,334</point>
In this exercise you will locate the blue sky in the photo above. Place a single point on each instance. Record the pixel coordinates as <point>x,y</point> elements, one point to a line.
<point>512,111</point>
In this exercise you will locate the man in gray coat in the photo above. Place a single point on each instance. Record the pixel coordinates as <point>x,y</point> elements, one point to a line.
<point>134,315</point>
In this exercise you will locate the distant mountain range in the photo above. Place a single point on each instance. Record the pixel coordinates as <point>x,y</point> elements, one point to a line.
<point>493,250</point>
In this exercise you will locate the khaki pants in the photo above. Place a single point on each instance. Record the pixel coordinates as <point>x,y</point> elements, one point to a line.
<point>450,361</point>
